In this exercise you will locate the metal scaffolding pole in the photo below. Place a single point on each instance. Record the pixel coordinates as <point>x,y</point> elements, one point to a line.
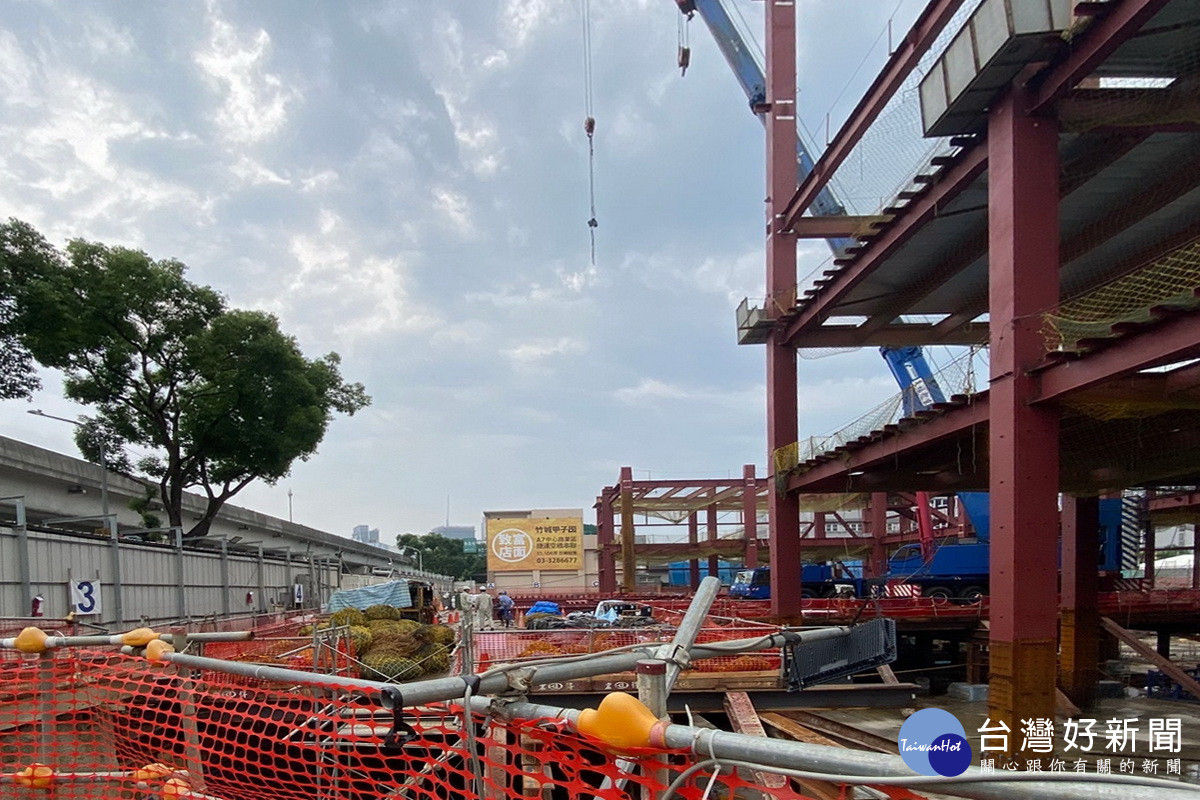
<point>839,761</point>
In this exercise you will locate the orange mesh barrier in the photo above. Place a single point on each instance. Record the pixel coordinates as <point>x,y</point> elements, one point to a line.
<point>97,726</point>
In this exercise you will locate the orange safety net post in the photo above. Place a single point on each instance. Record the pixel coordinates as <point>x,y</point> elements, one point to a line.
<point>87,725</point>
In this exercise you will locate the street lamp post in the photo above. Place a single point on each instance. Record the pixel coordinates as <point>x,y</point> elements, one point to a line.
<point>103,458</point>
<point>110,521</point>
<point>420,557</point>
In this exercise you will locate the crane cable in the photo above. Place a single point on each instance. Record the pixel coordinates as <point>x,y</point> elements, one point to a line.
<point>589,123</point>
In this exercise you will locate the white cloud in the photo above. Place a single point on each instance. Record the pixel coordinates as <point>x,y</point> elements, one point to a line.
<point>521,19</point>
<point>528,354</point>
<point>59,152</point>
<point>254,173</point>
<point>454,207</point>
<point>342,290</point>
<point>256,101</point>
<point>653,392</point>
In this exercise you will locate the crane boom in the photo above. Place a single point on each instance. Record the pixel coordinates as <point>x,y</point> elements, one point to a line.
<point>751,76</point>
<point>919,389</point>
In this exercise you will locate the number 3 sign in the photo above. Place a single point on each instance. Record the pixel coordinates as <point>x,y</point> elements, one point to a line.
<point>85,596</point>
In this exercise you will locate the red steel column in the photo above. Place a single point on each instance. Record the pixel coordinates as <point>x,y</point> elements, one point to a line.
<point>604,540</point>
<point>877,526</point>
<point>782,427</point>
<point>628,559</point>
<point>714,561</point>
<point>694,541</point>
<point>749,517</point>
<point>1079,623</point>
<point>1023,267</point>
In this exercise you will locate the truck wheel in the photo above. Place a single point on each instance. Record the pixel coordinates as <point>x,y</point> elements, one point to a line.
<point>939,593</point>
<point>973,594</point>
<point>807,594</point>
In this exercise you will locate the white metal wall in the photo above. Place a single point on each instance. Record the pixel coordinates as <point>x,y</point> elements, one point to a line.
<point>213,583</point>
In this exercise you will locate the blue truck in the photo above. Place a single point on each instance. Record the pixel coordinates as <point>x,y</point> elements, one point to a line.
<point>823,579</point>
<point>956,569</point>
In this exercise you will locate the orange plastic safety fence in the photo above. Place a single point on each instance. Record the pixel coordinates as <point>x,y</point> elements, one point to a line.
<point>97,726</point>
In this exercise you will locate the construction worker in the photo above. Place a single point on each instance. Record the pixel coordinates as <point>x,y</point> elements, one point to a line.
<point>506,609</point>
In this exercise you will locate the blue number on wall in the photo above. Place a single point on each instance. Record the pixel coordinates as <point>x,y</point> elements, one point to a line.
<point>87,589</point>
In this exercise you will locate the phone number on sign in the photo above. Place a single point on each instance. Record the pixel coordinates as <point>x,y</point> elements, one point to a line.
<point>557,559</point>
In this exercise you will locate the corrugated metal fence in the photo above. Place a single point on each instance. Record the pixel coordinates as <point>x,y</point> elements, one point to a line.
<point>156,582</point>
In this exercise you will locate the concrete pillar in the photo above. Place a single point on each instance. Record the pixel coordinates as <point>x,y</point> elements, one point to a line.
<point>1023,278</point>
<point>1079,620</point>
<point>782,419</point>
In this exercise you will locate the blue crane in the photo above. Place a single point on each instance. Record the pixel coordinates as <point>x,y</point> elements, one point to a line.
<point>939,570</point>
<point>908,364</point>
<point>919,388</point>
<point>749,74</point>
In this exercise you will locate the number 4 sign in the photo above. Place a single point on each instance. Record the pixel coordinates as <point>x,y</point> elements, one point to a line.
<point>85,596</point>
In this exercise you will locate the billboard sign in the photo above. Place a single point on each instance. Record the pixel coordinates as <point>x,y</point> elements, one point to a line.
<point>534,543</point>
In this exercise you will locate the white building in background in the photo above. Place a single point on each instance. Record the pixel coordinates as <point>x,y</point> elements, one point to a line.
<point>455,531</point>
<point>365,534</point>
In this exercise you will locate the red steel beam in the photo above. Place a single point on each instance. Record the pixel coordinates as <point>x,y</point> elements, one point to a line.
<point>1089,49</point>
<point>1173,340</point>
<point>899,66</point>
<point>1175,502</point>
<point>917,213</point>
<point>896,334</point>
<point>948,424</point>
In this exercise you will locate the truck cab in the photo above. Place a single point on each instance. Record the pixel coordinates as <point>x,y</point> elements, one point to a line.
<point>751,584</point>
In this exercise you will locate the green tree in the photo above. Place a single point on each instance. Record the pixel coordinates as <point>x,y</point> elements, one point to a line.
<point>442,555</point>
<point>220,397</point>
<point>21,249</point>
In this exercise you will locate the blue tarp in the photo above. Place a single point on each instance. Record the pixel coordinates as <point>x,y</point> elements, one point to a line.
<point>543,607</point>
<point>394,593</point>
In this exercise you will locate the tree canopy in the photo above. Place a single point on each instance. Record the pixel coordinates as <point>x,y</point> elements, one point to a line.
<point>220,397</point>
<point>443,555</point>
<point>21,249</point>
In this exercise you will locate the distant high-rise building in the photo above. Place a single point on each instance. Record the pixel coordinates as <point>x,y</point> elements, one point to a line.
<point>455,531</point>
<point>365,534</point>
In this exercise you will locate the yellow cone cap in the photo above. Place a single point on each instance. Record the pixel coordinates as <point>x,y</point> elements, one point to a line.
<point>621,721</point>
<point>37,776</point>
<point>31,640</point>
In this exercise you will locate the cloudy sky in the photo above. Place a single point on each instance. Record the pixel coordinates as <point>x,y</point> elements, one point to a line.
<point>406,183</point>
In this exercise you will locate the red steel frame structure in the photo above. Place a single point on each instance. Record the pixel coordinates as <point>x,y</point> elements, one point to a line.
<point>1018,147</point>
<point>629,497</point>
